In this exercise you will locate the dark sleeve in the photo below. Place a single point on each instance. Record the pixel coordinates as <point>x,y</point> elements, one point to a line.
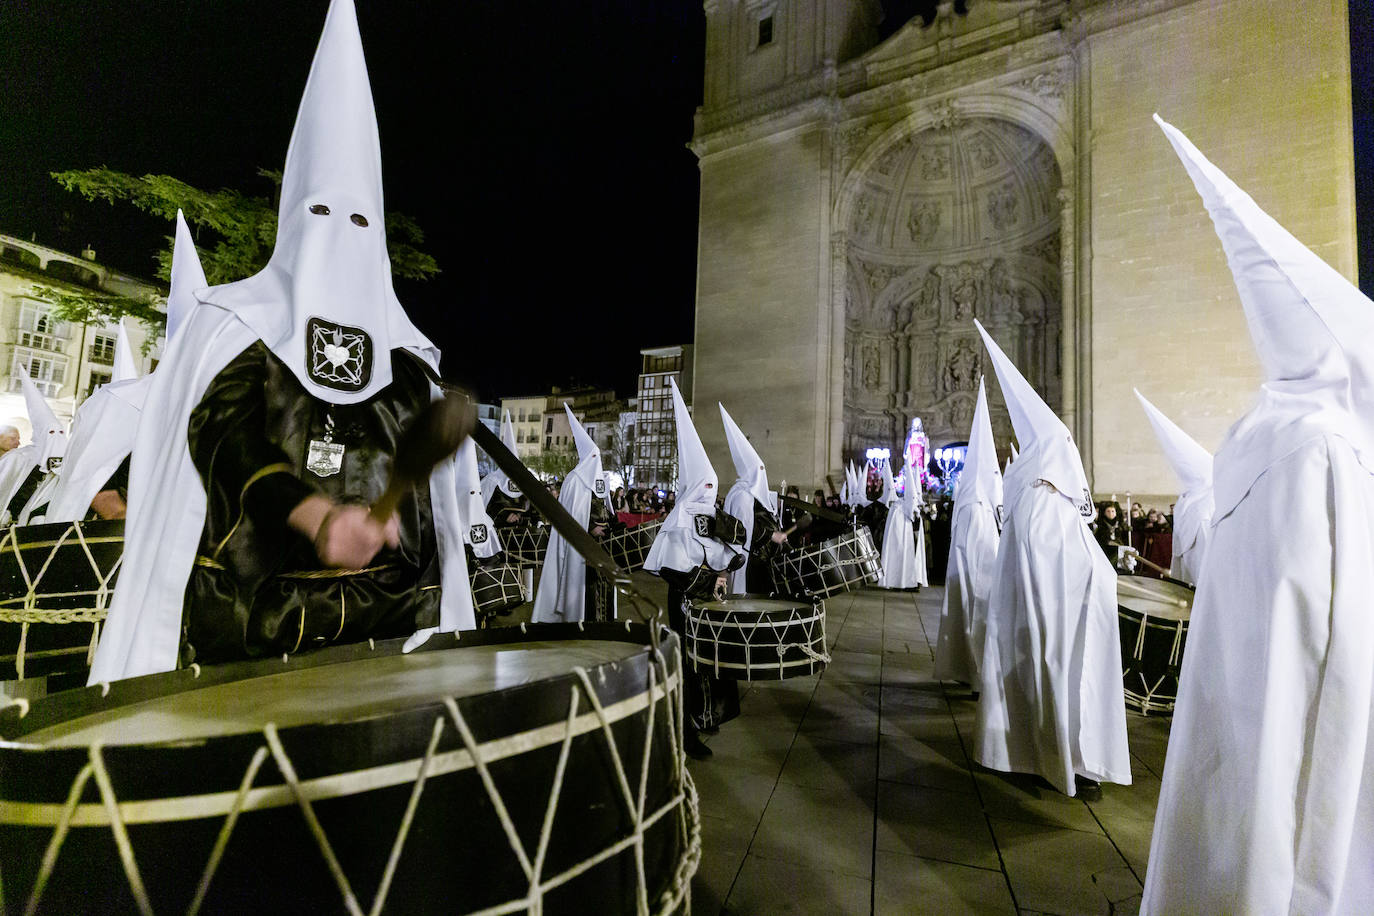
<point>229,445</point>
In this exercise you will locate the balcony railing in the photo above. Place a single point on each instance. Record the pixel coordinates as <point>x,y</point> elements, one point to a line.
<point>36,341</point>
<point>99,354</point>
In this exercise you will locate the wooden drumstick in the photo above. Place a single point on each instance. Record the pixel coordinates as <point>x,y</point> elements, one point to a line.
<point>436,434</point>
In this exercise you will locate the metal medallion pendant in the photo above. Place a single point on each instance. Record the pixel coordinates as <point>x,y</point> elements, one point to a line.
<point>325,458</point>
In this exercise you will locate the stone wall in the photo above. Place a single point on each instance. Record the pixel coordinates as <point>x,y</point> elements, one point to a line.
<point>1262,87</point>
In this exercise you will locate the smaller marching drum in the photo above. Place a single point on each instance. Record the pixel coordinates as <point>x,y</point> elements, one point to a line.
<point>525,544</point>
<point>630,548</point>
<point>497,587</point>
<point>56,583</point>
<point>1153,615</point>
<point>497,771</point>
<point>840,564</point>
<point>752,638</point>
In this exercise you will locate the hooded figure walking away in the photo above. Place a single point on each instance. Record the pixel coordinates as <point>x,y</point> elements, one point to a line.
<point>1267,804</point>
<point>975,534</point>
<point>568,591</point>
<point>271,426</point>
<point>902,568</point>
<point>95,471</point>
<point>695,556</point>
<point>1052,701</point>
<point>1193,511</point>
<point>756,507</point>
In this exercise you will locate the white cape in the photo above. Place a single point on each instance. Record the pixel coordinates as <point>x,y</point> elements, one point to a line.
<point>167,509</point>
<point>963,616</point>
<point>1052,699</point>
<point>1268,797</point>
<point>562,580</point>
<point>102,437</point>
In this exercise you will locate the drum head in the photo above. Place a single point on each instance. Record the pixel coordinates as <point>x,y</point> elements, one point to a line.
<point>1155,597</point>
<point>331,693</point>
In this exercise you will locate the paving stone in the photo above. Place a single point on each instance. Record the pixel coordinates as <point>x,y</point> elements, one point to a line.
<point>724,843</point>
<point>822,828</point>
<point>934,823</point>
<point>1138,800</point>
<point>905,884</point>
<point>731,791</point>
<point>822,763</point>
<point>1055,870</point>
<point>1132,836</point>
<point>770,887</point>
<point>936,763</point>
<point>1022,797</point>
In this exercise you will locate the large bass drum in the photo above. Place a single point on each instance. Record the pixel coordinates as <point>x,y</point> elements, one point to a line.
<point>1153,615</point>
<point>840,564</point>
<point>752,638</point>
<point>497,587</point>
<point>525,544</point>
<point>497,773</point>
<point>56,584</point>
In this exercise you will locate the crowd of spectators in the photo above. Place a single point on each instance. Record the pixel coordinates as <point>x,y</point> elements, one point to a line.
<point>1149,532</point>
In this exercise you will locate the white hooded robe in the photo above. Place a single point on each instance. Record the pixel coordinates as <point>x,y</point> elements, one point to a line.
<point>900,566</point>
<point>749,487</point>
<point>1195,506</point>
<point>561,597</point>
<point>973,544</point>
<point>1267,803</point>
<point>1053,701</point>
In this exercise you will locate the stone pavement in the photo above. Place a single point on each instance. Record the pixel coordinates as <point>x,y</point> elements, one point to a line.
<point>854,793</point>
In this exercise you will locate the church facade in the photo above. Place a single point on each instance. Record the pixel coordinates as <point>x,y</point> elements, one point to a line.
<point>863,202</point>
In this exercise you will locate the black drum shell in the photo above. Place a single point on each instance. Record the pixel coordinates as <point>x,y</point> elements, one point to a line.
<point>455,858</point>
<point>1151,662</point>
<point>525,544</point>
<point>630,548</point>
<point>497,586</point>
<point>840,564</point>
<point>743,644</point>
<point>72,567</point>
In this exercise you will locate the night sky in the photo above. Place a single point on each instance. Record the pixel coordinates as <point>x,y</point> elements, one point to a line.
<point>541,146</point>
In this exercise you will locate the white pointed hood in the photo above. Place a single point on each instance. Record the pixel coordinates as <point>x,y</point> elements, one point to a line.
<point>188,278</point>
<point>696,479</point>
<point>1048,450</point>
<point>49,435</point>
<point>324,304</point>
<point>478,531</point>
<point>860,485</point>
<point>890,495</point>
<point>1191,462</point>
<point>912,499</point>
<point>980,481</point>
<point>1014,453</point>
<point>498,479</point>
<point>125,366</point>
<point>1312,329</point>
<point>749,466</point>
<point>588,468</point>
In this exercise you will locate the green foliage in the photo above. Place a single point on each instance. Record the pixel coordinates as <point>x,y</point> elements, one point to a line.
<point>234,235</point>
<point>552,465</point>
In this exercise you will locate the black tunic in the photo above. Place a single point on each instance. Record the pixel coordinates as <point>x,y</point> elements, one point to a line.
<point>758,572</point>
<point>258,587</point>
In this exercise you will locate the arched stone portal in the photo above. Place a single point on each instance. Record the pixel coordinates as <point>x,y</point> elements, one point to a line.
<point>956,222</point>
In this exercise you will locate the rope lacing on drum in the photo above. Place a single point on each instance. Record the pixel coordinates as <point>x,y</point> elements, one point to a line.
<point>30,609</point>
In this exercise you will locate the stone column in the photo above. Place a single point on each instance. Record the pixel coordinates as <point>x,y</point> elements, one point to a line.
<point>1068,326</point>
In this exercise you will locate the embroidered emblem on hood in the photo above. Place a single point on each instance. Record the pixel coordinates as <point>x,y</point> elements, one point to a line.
<point>338,356</point>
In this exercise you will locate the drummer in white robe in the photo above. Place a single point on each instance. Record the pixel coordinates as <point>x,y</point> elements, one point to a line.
<point>321,324</point>
<point>901,568</point>
<point>974,537</point>
<point>756,506</point>
<point>1267,804</point>
<point>1052,701</point>
<point>1195,506</point>
<point>564,582</point>
<point>695,558</point>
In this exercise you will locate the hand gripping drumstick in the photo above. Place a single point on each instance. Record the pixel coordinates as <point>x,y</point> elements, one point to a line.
<point>436,434</point>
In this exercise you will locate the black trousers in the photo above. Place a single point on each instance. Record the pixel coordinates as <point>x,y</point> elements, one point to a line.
<point>707,701</point>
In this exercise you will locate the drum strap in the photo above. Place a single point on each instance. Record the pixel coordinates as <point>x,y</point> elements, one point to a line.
<point>211,563</point>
